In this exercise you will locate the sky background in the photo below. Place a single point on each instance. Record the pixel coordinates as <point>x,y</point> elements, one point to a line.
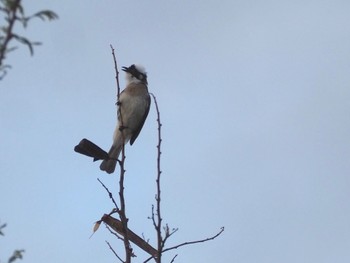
<point>255,106</point>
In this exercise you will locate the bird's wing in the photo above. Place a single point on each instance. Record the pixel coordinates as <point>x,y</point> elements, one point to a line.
<point>142,122</point>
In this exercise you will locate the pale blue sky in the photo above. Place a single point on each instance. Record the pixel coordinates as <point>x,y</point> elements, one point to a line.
<point>254,99</point>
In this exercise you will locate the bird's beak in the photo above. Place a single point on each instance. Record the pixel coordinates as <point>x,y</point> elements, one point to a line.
<point>125,69</point>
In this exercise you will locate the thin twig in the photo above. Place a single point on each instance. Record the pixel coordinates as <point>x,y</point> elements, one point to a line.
<point>115,253</point>
<point>158,224</point>
<point>195,242</point>
<point>109,194</point>
<point>172,261</point>
<point>113,233</point>
<point>169,234</point>
<point>153,218</point>
<point>149,259</point>
<point>116,73</point>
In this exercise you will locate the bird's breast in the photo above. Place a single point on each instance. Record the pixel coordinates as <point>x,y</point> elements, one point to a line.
<point>133,105</point>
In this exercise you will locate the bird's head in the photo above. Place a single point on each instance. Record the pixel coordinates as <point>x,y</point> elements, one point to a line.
<point>135,74</point>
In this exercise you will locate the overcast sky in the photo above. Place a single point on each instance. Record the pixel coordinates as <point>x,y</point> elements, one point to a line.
<point>255,106</point>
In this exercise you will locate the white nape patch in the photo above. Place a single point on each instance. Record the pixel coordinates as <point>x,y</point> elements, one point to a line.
<point>140,68</point>
<point>131,79</point>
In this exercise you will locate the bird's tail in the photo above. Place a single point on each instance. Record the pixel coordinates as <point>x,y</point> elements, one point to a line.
<point>109,165</point>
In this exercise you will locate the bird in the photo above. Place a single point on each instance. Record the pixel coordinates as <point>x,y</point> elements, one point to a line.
<point>133,108</point>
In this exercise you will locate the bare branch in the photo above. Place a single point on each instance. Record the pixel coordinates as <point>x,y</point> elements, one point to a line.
<point>116,73</point>
<point>149,259</point>
<point>109,193</point>
<point>153,217</point>
<point>168,233</point>
<point>113,232</point>
<point>115,253</point>
<point>172,261</point>
<point>158,224</point>
<point>122,213</point>
<point>195,242</point>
